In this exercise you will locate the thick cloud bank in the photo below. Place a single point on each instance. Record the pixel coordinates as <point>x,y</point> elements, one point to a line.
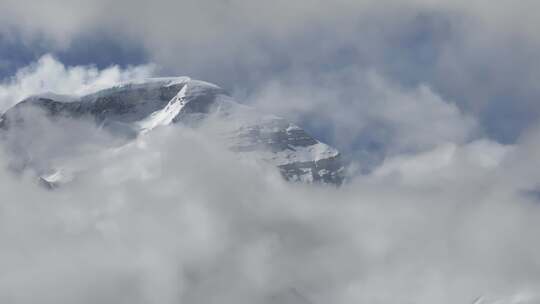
<point>175,218</point>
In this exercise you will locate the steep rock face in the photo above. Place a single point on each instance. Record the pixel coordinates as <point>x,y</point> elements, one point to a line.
<point>132,109</point>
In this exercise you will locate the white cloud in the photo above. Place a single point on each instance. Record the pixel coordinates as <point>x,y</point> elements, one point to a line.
<point>178,219</point>
<point>446,161</point>
<point>50,75</point>
<point>355,108</point>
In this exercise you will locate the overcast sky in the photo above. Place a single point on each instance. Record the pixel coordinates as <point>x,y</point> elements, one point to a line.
<point>435,104</point>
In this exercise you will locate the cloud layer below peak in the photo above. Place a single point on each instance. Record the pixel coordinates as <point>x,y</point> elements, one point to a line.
<point>176,218</point>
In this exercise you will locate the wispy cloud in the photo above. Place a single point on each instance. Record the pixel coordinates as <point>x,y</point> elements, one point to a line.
<point>49,75</point>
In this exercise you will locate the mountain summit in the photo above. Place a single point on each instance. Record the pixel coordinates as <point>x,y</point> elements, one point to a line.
<point>129,110</point>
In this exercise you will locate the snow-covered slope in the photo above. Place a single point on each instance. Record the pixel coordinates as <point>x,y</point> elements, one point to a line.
<point>132,109</point>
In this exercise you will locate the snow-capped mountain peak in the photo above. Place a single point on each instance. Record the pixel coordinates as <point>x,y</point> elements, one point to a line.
<point>136,108</point>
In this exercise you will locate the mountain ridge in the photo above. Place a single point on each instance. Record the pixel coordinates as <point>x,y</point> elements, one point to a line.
<point>130,109</point>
